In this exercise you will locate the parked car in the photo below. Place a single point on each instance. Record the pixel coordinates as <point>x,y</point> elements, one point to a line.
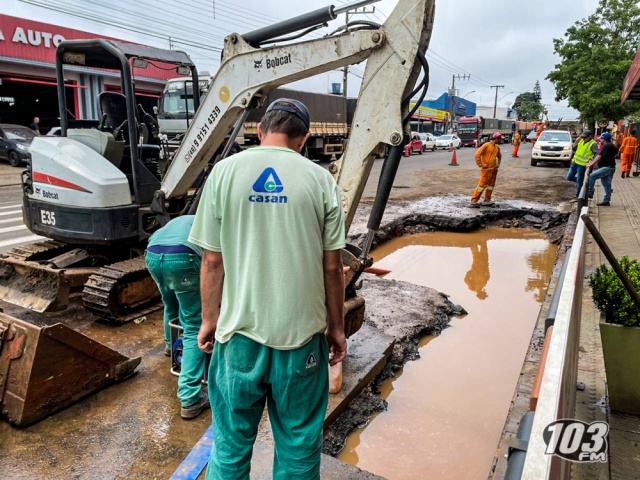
<point>448,140</point>
<point>553,146</point>
<point>54,132</point>
<point>415,145</point>
<point>428,142</point>
<point>14,143</point>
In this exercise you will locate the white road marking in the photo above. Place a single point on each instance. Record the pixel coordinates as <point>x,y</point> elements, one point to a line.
<point>12,229</point>
<point>9,220</point>
<point>10,206</point>
<point>15,241</point>
<point>12,212</point>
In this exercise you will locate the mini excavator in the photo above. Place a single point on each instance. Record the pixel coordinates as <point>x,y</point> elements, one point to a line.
<point>100,190</point>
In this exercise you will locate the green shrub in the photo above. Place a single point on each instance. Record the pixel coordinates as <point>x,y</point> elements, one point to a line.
<point>610,296</point>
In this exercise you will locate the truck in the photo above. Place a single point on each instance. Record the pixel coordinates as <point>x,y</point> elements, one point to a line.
<point>329,126</point>
<point>475,131</point>
<point>176,108</point>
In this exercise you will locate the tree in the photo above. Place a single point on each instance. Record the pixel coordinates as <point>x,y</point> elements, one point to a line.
<point>596,54</point>
<point>528,107</point>
<point>537,91</point>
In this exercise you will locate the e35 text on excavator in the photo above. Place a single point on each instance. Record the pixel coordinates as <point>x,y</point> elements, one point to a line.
<point>100,190</point>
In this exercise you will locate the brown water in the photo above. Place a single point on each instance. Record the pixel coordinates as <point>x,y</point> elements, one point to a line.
<point>447,410</point>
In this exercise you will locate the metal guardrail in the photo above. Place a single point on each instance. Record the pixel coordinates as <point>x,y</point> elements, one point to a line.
<point>558,390</point>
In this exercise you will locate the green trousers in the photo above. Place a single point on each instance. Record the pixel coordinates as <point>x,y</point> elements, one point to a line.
<point>294,384</point>
<point>178,279</point>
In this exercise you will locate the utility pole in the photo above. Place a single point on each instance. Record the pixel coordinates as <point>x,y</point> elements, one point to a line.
<point>495,104</point>
<point>452,94</point>
<point>170,43</point>
<point>345,70</point>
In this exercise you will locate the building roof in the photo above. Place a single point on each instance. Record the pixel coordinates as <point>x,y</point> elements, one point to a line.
<point>631,85</point>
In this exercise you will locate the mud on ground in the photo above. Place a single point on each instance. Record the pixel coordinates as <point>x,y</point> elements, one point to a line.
<point>546,184</point>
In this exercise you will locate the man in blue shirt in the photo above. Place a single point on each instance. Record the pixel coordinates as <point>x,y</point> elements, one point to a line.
<point>174,264</point>
<point>606,164</point>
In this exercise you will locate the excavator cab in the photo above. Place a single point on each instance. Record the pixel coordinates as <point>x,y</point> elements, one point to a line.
<point>88,191</point>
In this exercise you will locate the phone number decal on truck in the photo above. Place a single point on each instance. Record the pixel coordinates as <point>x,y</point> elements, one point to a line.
<point>203,132</point>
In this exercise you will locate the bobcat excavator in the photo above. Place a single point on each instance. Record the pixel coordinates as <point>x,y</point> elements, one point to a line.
<point>98,193</point>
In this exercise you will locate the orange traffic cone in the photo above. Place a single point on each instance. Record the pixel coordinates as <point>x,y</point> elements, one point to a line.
<point>451,147</point>
<point>454,160</point>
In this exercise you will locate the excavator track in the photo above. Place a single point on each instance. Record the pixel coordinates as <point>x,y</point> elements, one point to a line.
<point>122,292</point>
<point>34,251</point>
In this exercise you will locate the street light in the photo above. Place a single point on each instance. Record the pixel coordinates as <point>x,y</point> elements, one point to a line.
<point>472,91</point>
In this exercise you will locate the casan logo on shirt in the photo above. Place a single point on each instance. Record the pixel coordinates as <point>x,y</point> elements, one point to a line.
<point>268,183</point>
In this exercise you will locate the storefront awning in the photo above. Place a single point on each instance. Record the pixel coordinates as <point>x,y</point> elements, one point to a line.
<point>631,85</point>
<point>39,82</point>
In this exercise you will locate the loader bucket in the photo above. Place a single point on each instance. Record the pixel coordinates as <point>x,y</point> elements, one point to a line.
<point>45,369</point>
<point>38,287</point>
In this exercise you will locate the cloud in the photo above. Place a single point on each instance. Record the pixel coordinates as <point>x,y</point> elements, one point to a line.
<point>501,42</point>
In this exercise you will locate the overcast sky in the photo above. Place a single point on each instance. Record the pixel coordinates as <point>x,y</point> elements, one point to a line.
<point>498,42</point>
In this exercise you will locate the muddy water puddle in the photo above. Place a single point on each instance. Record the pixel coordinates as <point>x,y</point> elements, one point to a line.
<point>447,410</point>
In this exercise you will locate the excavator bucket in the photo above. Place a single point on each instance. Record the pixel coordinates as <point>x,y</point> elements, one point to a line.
<point>38,286</point>
<point>45,369</point>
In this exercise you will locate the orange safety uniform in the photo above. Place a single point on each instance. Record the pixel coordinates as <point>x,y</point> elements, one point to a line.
<point>516,145</point>
<point>628,150</point>
<point>490,155</point>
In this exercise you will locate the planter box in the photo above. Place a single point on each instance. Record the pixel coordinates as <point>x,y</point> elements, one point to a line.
<point>621,348</point>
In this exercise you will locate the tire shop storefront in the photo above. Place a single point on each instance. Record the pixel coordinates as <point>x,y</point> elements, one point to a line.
<point>28,78</point>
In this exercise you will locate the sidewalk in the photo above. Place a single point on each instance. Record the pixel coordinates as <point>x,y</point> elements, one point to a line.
<point>620,226</point>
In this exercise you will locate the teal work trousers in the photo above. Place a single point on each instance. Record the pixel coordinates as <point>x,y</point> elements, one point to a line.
<point>294,384</point>
<point>178,279</point>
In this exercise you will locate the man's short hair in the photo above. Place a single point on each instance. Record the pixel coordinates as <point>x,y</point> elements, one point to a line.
<point>279,121</point>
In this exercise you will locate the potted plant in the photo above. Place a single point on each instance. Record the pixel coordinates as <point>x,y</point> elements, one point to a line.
<point>620,334</point>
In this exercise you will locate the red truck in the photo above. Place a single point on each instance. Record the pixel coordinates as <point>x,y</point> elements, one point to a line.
<point>474,131</point>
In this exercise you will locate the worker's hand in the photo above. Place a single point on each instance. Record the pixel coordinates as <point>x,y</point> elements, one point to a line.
<point>206,337</point>
<point>338,346</point>
<point>484,165</point>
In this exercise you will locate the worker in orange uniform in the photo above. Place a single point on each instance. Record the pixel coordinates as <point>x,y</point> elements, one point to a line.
<point>619,140</point>
<point>517,138</point>
<point>541,128</point>
<point>628,150</point>
<point>488,158</point>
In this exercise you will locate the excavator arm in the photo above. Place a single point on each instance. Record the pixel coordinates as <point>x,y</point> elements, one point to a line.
<point>249,73</point>
<point>395,53</point>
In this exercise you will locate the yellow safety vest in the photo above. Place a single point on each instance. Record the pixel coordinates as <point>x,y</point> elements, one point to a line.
<point>583,153</point>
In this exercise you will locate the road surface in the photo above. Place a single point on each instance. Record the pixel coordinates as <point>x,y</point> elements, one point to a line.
<point>12,229</point>
<point>428,174</point>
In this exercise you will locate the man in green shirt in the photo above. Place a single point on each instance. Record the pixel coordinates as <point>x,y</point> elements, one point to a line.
<point>174,264</point>
<point>272,229</point>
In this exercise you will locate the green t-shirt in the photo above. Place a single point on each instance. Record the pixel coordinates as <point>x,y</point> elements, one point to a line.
<point>272,213</point>
<point>175,233</point>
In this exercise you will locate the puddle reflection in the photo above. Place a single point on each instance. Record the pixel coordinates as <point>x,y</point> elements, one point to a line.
<point>447,410</point>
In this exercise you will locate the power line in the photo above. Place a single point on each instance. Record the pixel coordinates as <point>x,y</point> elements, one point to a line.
<point>121,26</point>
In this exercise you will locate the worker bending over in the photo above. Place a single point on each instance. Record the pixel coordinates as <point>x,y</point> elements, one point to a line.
<point>488,158</point>
<point>628,151</point>
<point>272,229</point>
<point>174,264</point>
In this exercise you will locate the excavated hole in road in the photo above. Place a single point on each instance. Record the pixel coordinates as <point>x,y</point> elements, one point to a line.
<point>446,411</point>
